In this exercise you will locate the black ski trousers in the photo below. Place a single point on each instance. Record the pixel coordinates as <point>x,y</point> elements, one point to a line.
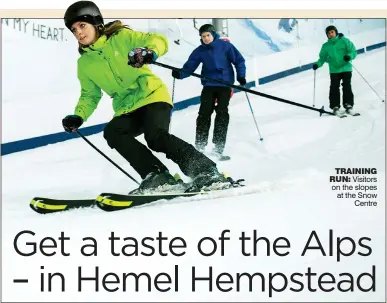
<point>153,121</point>
<point>334,92</point>
<point>203,122</point>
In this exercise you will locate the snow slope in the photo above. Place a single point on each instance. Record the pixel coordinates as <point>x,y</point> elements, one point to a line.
<point>289,195</point>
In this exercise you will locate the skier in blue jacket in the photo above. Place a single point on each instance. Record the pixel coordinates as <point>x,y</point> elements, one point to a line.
<point>217,57</point>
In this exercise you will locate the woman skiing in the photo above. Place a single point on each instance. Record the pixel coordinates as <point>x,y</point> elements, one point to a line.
<point>113,59</point>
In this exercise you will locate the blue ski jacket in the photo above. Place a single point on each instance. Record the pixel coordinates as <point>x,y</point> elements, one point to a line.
<point>216,58</point>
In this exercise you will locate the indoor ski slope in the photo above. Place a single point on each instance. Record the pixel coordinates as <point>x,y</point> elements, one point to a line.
<point>287,177</point>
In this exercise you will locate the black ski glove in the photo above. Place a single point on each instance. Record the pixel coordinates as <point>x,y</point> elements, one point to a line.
<point>315,66</point>
<point>347,58</point>
<point>241,80</point>
<point>176,74</point>
<point>140,56</point>
<point>71,123</point>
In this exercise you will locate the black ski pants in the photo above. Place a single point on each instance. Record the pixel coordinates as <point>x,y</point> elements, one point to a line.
<point>153,121</point>
<point>203,122</point>
<point>334,92</point>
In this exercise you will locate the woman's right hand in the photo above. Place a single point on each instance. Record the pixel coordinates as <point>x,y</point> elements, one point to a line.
<point>71,123</point>
<point>140,56</point>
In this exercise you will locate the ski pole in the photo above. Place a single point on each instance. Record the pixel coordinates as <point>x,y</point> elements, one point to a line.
<point>314,87</point>
<point>367,82</point>
<point>111,161</point>
<point>173,97</point>
<point>321,110</point>
<point>252,112</point>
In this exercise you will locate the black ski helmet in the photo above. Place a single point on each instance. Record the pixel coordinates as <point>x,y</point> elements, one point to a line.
<point>207,28</point>
<point>86,11</point>
<point>329,28</point>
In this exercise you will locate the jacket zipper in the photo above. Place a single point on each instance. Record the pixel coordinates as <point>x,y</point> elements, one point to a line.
<point>115,74</point>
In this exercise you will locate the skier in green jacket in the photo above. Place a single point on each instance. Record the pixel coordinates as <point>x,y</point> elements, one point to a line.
<point>114,59</point>
<point>338,51</point>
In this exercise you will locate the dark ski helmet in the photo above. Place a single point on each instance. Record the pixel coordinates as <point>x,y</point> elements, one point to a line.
<point>207,28</point>
<point>86,11</point>
<point>329,28</point>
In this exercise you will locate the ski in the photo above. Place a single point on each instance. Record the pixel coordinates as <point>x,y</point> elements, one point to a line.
<point>224,158</point>
<point>113,201</point>
<point>218,157</point>
<point>340,115</point>
<point>353,114</point>
<point>346,114</point>
<point>43,205</point>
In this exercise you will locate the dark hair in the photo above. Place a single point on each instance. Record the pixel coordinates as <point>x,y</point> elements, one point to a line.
<point>109,30</point>
<point>207,28</point>
<point>330,28</point>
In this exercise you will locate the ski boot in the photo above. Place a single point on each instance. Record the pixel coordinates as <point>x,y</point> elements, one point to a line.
<point>212,180</point>
<point>218,153</point>
<point>336,112</point>
<point>349,110</point>
<point>156,182</point>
